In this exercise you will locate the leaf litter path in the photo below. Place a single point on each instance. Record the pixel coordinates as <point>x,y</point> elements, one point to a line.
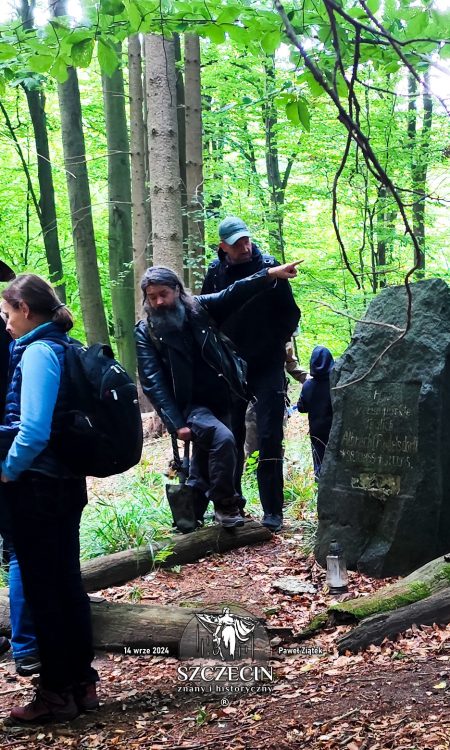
<point>393,696</point>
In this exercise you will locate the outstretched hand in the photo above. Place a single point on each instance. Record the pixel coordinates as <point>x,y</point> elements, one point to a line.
<point>286,271</point>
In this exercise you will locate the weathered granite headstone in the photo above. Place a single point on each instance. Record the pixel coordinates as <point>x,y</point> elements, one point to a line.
<point>384,491</point>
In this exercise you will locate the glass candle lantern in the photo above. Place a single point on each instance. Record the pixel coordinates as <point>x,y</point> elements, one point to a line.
<point>337,576</point>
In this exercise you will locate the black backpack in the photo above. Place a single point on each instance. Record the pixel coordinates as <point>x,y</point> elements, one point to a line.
<point>101,433</point>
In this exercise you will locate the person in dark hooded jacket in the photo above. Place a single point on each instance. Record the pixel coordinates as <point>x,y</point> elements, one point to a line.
<point>315,400</point>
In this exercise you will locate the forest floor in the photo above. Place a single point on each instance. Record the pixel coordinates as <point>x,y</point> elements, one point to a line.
<point>393,696</point>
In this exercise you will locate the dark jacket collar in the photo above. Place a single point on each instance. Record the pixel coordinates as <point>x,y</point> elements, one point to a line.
<point>241,270</point>
<point>256,253</point>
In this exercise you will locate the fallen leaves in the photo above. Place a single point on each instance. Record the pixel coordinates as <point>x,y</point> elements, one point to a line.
<point>391,696</point>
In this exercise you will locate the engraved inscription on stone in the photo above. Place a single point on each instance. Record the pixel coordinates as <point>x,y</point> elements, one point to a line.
<point>379,439</point>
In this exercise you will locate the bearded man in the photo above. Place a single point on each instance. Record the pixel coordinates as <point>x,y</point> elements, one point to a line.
<point>190,374</point>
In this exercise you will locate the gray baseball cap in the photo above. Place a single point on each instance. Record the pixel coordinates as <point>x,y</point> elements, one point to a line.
<point>231,229</point>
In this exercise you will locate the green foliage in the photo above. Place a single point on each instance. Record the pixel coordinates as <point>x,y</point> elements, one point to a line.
<point>239,41</point>
<point>3,576</point>
<point>107,57</point>
<point>135,514</point>
<point>202,716</point>
<point>135,594</point>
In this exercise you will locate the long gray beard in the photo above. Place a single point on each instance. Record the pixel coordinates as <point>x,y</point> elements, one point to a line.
<point>167,319</point>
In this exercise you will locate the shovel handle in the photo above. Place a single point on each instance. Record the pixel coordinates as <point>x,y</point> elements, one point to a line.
<point>175,450</point>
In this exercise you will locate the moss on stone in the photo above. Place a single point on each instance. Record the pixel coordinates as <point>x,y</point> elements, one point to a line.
<point>317,623</point>
<point>443,574</point>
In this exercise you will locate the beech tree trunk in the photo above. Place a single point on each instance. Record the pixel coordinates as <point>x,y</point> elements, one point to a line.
<point>419,142</point>
<point>47,215</point>
<point>139,193</point>
<point>119,209</point>
<point>194,162</point>
<point>277,180</point>
<point>165,188</point>
<point>181,119</point>
<point>93,312</point>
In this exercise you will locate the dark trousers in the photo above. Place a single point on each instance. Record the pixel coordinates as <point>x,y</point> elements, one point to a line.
<point>318,445</point>
<point>46,515</point>
<point>267,387</point>
<point>213,462</point>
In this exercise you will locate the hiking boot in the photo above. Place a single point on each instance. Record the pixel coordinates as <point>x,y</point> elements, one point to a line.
<point>86,697</point>
<point>28,665</point>
<point>4,645</point>
<point>273,522</point>
<point>46,706</point>
<point>229,518</point>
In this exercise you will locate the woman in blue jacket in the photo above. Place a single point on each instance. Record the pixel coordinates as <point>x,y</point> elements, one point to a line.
<point>46,502</point>
<point>315,400</point>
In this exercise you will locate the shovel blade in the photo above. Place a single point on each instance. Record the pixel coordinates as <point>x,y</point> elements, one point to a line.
<point>181,499</point>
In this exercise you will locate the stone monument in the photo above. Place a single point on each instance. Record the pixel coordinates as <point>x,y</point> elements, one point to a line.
<point>384,490</point>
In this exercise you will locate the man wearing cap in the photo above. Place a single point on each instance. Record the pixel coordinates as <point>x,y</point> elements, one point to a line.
<point>260,330</point>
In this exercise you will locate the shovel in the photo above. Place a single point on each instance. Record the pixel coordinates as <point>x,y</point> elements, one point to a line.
<point>181,496</point>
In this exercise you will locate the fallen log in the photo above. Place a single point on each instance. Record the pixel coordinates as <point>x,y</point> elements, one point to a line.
<point>373,630</point>
<point>156,629</point>
<point>153,627</point>
<point>422,583</point>
<point>121,567</point>
<point>116,624</point>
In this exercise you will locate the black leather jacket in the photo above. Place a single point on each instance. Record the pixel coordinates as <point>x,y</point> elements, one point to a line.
<point>164,370</point>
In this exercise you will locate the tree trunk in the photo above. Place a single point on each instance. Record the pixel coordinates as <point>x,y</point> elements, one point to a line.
<point>181,119</point>
<point>194,161</point>
<point>419,142</point>
<point>113,570</point>
<point>165,188</point>
<point>119,209</point>
<point>272,164</point>
<point>47,215</point>
<point>80,204</point>
<point>382,235</point>
<point>139,193</point>
<point>49,223</point>
<point>276,180</point>
<point>373,630</point>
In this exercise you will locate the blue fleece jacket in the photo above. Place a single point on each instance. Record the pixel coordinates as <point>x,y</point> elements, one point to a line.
<point>41,376</point>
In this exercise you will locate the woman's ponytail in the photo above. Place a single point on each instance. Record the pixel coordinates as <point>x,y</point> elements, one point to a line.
<point>40,297</point>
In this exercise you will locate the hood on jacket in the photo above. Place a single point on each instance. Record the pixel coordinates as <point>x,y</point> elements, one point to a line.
<point>256,253</point>
<point>321,362</point>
